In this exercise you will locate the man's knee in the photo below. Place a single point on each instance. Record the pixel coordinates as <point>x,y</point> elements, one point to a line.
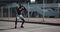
<point>22,19</point>
<point>17,18</point>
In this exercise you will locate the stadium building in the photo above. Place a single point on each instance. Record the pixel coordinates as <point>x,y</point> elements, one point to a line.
<point>35,8</point>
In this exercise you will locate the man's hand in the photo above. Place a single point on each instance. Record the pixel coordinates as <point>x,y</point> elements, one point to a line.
<point>20,9</point>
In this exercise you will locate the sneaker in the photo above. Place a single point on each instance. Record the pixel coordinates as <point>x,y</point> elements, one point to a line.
<point>22,26</point>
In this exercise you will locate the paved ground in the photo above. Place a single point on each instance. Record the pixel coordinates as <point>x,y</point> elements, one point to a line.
<point>28,27</point>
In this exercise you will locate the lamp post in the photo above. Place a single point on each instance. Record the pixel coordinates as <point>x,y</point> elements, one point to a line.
<point>31,1</point>
<point>28,10</point>
<point>43,10</point>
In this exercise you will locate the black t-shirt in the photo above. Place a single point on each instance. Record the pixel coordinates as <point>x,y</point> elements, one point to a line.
<point>19,10</point>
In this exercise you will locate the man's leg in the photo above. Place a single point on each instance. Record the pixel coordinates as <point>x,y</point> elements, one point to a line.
<point>22,18</point>
<point>17,18</point>
<point>16,23</point>
<point>22,23</point>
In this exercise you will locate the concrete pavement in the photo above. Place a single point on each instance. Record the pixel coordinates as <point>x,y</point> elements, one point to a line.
<point>28,27</point>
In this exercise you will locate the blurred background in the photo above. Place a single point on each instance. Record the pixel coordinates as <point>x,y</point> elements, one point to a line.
<point>37,10</point>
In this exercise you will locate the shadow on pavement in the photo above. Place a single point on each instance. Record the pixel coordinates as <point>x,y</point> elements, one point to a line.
<point>7,29</point>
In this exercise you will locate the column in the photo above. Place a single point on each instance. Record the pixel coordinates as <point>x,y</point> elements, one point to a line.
<point>1,11</point>
<point>8,12</point>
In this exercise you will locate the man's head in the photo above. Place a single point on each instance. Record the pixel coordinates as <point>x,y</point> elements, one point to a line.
<point>20,6</point>
<point>17,6</point>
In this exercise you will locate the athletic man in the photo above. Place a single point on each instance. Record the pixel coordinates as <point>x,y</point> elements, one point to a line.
<point>20,10</point>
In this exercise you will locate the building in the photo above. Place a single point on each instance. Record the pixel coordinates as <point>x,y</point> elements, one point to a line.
<point>41,8</point>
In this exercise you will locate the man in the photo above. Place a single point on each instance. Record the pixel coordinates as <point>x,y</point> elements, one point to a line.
<point>20,10</point>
